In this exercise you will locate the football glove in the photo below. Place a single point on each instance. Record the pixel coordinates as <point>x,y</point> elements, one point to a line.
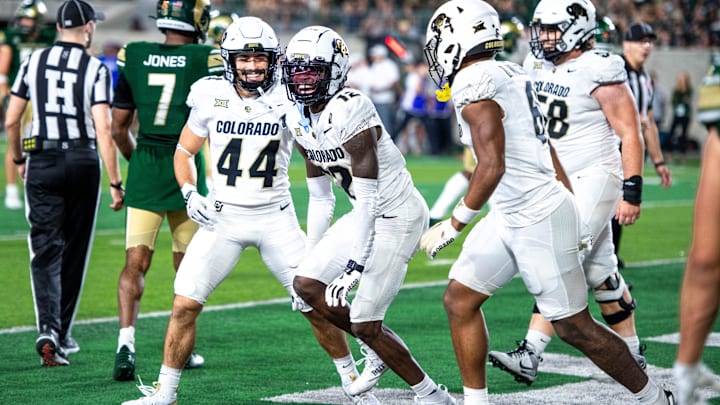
<point>337,291</point>
<point>437,237</point>
<point>298,304</point>
<point>198,207</point>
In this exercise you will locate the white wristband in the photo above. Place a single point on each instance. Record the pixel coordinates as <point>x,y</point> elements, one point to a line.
<point>464,214</point>
<point>3,79</point>
<point>187,188</point>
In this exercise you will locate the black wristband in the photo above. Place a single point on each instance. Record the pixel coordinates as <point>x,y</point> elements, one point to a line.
<point>20,161</point>
<point>117,185</point>
<point>660,163</point>
<point>352,265</point>
<point>632,190</point>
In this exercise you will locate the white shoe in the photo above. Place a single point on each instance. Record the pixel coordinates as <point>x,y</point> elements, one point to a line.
<point>371,374</point>
<point>366,398</point>
<point>195,361</point>
<point>437,397</point>
<point>689,383</point>
<point>152,396</point>
<point>522,362</point>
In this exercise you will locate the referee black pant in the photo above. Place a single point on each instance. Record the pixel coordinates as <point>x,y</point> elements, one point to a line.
<point>62,192</point>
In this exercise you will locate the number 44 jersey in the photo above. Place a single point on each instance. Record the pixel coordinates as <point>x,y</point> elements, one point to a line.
<point>250,145</point>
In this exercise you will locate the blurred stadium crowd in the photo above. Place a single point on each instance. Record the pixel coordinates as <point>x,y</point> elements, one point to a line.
<point>677,22</point>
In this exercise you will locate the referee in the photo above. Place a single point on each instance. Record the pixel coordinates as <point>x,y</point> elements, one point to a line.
<point>70,93</point>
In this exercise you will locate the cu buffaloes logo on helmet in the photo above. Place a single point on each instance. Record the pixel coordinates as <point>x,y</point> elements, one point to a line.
<point>441,22</point>
<point>340,47</point>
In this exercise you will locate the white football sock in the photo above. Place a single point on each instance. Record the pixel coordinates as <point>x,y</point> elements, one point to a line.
<point>454,188</point>
<point>126,337</point>
<point>537,341</point>
<point>633,343</point>
<point>169,379</point>
<point>474,396</point>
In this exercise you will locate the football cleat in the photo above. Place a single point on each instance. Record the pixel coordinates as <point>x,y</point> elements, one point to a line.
<point>670,397</point>
<point>640,357</point>
<point>438,397</point>
<point>50,351</point>
<point>522,362</point>
<point>195,361</point>
<point>124,369</point>
<point>690,382</point>
<point>366,398</point>
<point>371,374</point>
<point>69,345</point>
<point>152,396</point>
<point>13,202</point>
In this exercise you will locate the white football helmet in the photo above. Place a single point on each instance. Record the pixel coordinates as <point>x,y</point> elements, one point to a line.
<point>573,20</point>
<point>250,35</point>
<point>460,28</point>
<point>315,65</point>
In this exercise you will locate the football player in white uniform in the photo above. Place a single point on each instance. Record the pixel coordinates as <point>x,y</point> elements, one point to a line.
<point>242,116</point>
<point>533,227</point>
<point>340,134</point>
<point>586,102</point>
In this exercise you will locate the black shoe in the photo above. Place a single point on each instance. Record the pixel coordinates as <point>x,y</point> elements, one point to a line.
<point>69,345</point>
<point>124,369</point>
<point>47,346</point>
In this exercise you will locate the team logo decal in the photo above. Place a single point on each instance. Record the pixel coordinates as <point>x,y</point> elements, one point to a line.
<point>441,22</point>
<point>341,48</point>
<point>221,103</point>
<point>478,27</point>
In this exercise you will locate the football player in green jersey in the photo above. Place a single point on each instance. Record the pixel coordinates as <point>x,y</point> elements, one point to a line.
<point>154,81</point>
<point>25,35</point>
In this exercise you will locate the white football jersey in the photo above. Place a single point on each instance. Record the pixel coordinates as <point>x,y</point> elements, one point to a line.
<point>250,145</point>
<point>528,190</point>
<point>322,136</point>
<point>576,124</point>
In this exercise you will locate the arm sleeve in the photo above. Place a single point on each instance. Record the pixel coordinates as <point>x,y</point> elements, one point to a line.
<point>123,97</point>
<point>365,212</point>
<point>321,207</point>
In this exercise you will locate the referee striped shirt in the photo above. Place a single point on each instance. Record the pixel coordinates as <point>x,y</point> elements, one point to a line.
<point>642,89</point>
<point>63,82</point>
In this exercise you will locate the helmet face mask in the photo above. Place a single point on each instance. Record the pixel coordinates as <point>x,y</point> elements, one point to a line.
<point>315,65</point>
<point>184,15</point>
<point>457,29</point>
<point>559,26</point>
<point>245,38</point>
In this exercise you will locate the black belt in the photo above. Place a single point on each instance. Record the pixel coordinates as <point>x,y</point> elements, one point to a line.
<point>69,144</point>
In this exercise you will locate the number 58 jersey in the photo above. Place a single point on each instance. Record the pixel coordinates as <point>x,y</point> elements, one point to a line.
<point>250,146</point>
<point>580,133</point>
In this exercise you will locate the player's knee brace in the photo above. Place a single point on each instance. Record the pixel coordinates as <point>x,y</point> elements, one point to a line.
<point>615,289</point>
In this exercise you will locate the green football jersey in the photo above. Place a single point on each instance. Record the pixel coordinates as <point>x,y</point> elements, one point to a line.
<point>160,77</point>
<point>23,45</point>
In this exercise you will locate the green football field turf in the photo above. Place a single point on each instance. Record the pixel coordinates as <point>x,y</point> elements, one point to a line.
<point>255,352</point>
